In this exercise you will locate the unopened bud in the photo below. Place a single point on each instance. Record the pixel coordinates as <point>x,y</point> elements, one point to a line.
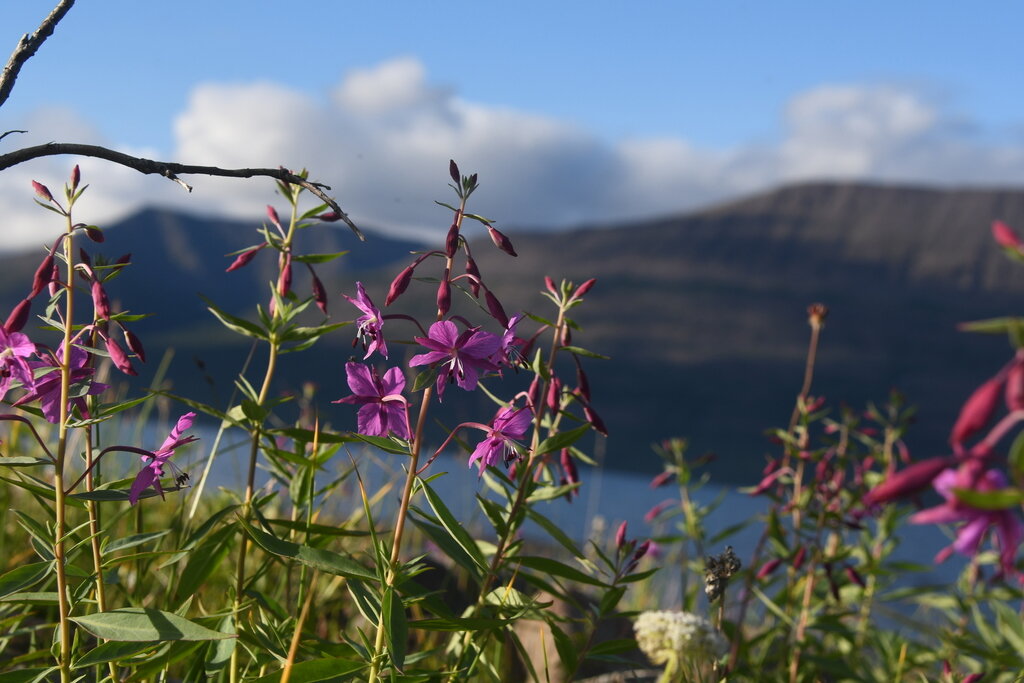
<point>554,395</point>
<point>453,170</point>
<point>42,191</point>
<point>444,295</point>
<point>284,283</point>
<point>1005,236</point>
<point>595,420</point>
<point>134,344</point>
<point>43,276</point>
<point>1015,386</point>
<point>319,293</point>
<point>662,479</point>
<point>118,356</point>
<point>582,290</point>
<point>18,317</point>
<point>399,285</point>
<point>533,393</point>
<point>330,217</point>
<point>569,466</point>
<point>977,411</point>
<point>95,234</point>
<point>474,273</point>
<point>620,536</point>
<point>855,577</point>
<point>495,308</point>
<point>272,215</point>
<point>76,177</point>
<point>451,242</point>
<point>582,382</point>
<point>501,241</point>
<point>799,557</point>
<point>100,303</point>
<point>549,284</point>
<point>768,567</point>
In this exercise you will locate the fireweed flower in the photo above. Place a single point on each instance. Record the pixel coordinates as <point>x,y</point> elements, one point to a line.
<point>1008,529</point>
<point>462,357</point>
<point>501,445</point>
<point>46,385</point>
<point>509,348</point>
<point>15,347</point>
<point>153,465</point>
<point>383,406</point>
<point>369,323</point>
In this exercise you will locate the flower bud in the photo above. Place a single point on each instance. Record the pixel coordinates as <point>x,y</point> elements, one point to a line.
<point>501,241</point>
<point>42,191</point>
<point>595,420</point>
<point>855,577</point>
<point>662,479</point>
<point>553,400</point>
<point>566,339</point>
<point>444,295</point>
<point>54,283</point>
<point>100,303</point>
<point>495,308</point>
<point>451,242</point>
<point>272,215</point>
<point>973,678</point>
<point>639,554</point>
<point>908,481</point>
<point>18,317</point>
<point>584,288</point>
<point>474,281</point>
<point>244,258</point>
<point>768,567</point>
<point>319,293</point>
<point>284,283</point>
<point>550,285</point>
<point>1005,236</point>
<point>76,177</point>
<point>569,466</point>
<point>95,234</point>
<point>453,170</point>
<point>399,285</point>
<point>799,557</point>
<point>119,357</point>
<point>653,513</point>
<point>976,411</point>
<point>330,217</point>
<point>134,344</point>
<point>43,276</point>
<point>620,536</point>
<point>533,393</point>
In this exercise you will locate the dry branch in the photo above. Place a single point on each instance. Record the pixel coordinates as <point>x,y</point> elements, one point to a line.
<point>27,47</point>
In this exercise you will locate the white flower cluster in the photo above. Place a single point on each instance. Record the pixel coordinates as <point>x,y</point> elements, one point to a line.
<point>675,636</point>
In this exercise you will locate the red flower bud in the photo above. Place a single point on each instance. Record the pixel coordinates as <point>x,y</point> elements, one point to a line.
<point>284,282</point>
<point>620,536</point>
<point>533,393</point>
<point>653,513</point>
<point>54,284</point>
<point>18,317</point>
<point>768,567</point>
<point>638,555</point>
<point>42,191</point>
<point>451,242</point>
<point>134,344</point>
<point>595,420</point>
<point>319,293</point>
<point>662,479</point>
<point>43,276</point>
<point>553,399</point>
<point>1004,235</point>
<point>330,217</point>
<point>76,177</point>
<point>244,258</point>
<point>444,296</point>
<point>495,308</point>
<point>569,466</point>
<point>584,288</point>
<point>977,411</point>
<point>856,578</point>
<point>550,285</point>
<point>453,170</point>
<point>474,281</point>
<point>973,678</point>
<point>501,241</point>
<point>95,234</point>
<point>399,285</point>
<point>272,215</point>
<point>119,357</point>
<point>100,303</point>
<point>908,481</point>
<point>798,558</point>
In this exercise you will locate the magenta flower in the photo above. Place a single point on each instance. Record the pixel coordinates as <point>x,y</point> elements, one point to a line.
<point>369,323</point>
<point>383,406</point>
<point>1007,527</point>
<point>509,351</point>
<point>500,443</point>
<point>46,386</point>
<point>15,347</point>
<point>462,357</point>
<point>153,465</point>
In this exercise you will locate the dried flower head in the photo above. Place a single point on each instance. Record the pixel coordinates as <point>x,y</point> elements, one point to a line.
<point>718,569</point>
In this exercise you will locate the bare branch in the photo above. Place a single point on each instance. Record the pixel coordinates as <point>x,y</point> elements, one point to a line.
<point>171,170</point>
<point>27,47</point>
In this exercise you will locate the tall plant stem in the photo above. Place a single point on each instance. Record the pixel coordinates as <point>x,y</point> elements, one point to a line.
<point>94,533</point>
<point>60,523</point>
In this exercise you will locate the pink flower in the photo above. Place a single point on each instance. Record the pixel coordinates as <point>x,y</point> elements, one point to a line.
<point>461,358</point>
<point>15,347</point>
<point>908,481</point>
<point>500,444</point>
<point>46,387</point>
<point>383,406</point>
<point>369,323</point>
<point>1007,527</point>
<point>153,465</point>
<point>1005,236</point>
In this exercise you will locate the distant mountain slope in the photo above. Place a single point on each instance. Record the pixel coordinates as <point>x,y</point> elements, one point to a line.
<point>703,313</point>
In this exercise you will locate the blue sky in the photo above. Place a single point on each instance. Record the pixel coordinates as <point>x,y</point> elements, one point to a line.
<point>572,112</point>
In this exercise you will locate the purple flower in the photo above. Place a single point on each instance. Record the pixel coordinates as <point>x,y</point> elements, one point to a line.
<point>15,347</point>
<point>509,351</point>
<point>1008,529</point>
<point>369,323</point>
<point>46,386</point>
<point>383,406</point>
<point>462,356</point>
<point>507,426</point>
<point>153,465</point>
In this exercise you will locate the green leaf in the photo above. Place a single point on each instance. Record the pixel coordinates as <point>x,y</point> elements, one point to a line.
<point>234,323</point>
<point>998,499</point>
<point>204,561</point>
<point>317,258</point>
<point>324,560</point>
<point>452,525</point>
<point>33,598</point>
<point>458,624</point>
<point>27,675</point>
<point>385,444</point>
<point>316,670</point>
<point>23,461</point>
<point>554,531</point>
<point>1015,459</point>
<point>561,440</point>
<point>134,540</point>
<point>24,577</point>
<point>424,380</point>
<point>556,568</point>
<point>991,325</point>
<point>613,647</point>
<point>576,350</point>
<point>299,334</point>
<point>138,624</point>
<point>396,630</point>
<point>543,493</point>
<point>112,651</point>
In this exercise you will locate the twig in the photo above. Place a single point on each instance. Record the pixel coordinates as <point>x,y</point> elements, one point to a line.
<point>27,47</point>
<point>171,170</point>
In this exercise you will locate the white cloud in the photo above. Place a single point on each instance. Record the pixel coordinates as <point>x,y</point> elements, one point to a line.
<point>383,137</point>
